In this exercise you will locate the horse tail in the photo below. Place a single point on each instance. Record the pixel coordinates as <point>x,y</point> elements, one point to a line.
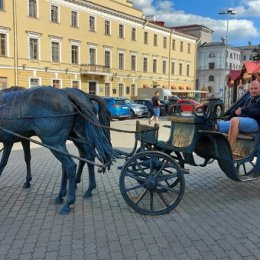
<point>98,144</point>
<point>103,114</point>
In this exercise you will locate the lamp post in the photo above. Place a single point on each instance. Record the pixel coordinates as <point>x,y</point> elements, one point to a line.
<point>227,12</point>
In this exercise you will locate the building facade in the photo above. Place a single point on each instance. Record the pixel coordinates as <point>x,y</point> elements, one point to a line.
<point>103,47</point>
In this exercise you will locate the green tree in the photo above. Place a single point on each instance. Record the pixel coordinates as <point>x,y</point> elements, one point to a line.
<point>256,53</point>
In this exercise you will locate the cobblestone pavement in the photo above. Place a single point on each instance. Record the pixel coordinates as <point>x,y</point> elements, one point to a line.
<point>217,218</point>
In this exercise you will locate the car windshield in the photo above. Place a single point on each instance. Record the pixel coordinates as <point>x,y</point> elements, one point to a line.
<point>120,102</point>
<point>128,101</point>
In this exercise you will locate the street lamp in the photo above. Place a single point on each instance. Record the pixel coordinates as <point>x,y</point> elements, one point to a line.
<point>227,12</point>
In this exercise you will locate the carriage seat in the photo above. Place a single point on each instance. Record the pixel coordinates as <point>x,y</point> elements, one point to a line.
<point>147,134</point>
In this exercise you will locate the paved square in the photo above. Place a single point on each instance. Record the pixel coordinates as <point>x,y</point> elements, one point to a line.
<point>216,219</point>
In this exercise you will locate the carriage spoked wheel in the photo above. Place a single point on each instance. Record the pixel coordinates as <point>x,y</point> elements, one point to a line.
<point>146,183</point>
<point>245,168</point>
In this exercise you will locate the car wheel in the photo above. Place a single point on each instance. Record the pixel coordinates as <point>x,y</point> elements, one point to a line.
<point>132,114</point>
<point>149,114</point>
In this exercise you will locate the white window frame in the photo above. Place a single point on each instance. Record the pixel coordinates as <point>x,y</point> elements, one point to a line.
<point>123,89</point>
<point>30,78</point>
<point>76,43</point>
<point>108,50</point>
<point>134,55</point>
<point>109,89</point>
<point>56,79</point>
<point>121,52</point>
<point>95,23</point>
<point>123,26</point>
<point>56,41</point>
<point>96,53</point>
<point>97,86</point>
<point>38,37</point>
<point>6,32</point>
<point>37,9</point>
<point>164,72</point>
<point>146,57</point>
<point>58,13</point>
<point>77,25</point>
<point>134,28</point>
<point>79,81</point>
<point>155,58</point>
<point>109,32</point>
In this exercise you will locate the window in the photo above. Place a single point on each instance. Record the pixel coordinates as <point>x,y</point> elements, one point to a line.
<point>55,52</point>
<point>211,66</point>
<point>154,65</point>
<point>107,27</point>
<point>155,40</point>
<point>107,59</point>
<point>1,4</point>
<point>133,90</point>
<point>173,68</point>
<point>34,82</point>
<point>75,84</point>
<point>164,42</point>
<point>121,90</point>
<point>74,54</point>
<point>3,82</point>
<point>145,64</point>
<point>92,24</point>
<point>3,44</point>
<point>74,19</point>
<point>107,89</point>
<point>56,83</point>
<point>180,69</point>
<point>188,70</point>
<point>92,56</point>
<point>212,55</point>
<point>133,62</point>
<point>145,37</point>
<point>173,44</point>
<point>114,91</point>
<point>133,37</point>
<point>33,8</point>
<point>121,31</point>
<point>189,47</point>
<point>54,14</point>
<point>164,67</point>
<point>181,46</point>
<point>211,78</point>
<point>34,46</point>
<point>121,61</point>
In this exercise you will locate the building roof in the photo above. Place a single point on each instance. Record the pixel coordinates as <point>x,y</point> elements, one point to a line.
<point>192,26</point>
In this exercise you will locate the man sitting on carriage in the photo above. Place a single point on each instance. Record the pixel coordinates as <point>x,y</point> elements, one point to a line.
<point>245,119</point>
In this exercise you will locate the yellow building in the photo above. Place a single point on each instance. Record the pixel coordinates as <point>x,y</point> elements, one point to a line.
<point>104,47</point>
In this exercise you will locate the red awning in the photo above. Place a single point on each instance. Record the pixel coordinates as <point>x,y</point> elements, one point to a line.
<point>257,69</point>
<point>234,74</point>
<point>251,66</point>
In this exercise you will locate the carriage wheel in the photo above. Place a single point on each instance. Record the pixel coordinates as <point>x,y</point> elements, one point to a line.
<point>146,183</point>
<point>245,168</point>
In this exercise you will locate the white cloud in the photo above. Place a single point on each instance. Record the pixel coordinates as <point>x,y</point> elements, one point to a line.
<point>239,29</point>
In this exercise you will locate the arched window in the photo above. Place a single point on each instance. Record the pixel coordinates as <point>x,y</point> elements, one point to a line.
<point>211,78</point>
<point>231,55</point>
<point>212,55</point>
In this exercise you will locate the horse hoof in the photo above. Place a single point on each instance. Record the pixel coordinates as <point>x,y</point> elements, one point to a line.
<point>26,185</point>
<point>87,194</point>
<point>58,200</point>
<point>64,211</point>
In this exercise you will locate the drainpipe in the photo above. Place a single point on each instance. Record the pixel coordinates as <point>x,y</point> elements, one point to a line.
<point>169,65</point>
<point>15,43</point>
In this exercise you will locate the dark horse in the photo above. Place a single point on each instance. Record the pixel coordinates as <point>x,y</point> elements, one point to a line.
<point>54,115</point>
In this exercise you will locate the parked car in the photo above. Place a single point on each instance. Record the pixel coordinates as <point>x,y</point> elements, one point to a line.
<point>117,108</point>
<point>149,104</point>
<point>136,110</point>
<point>187,104</point>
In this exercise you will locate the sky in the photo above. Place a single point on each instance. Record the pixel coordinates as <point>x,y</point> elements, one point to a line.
<point>243,27</point>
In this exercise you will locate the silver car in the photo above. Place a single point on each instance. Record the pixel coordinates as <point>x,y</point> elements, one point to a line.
<point>136,110</point>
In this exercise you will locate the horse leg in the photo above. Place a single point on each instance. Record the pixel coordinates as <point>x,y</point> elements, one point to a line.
<point>92,180</point>
<point>79,171</point>
<point>63,189</point>
<point>5,156</point>
<point>27,158</point>
<point>68,171</point>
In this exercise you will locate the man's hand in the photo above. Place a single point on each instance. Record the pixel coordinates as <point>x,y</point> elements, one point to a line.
<point>238,111</point>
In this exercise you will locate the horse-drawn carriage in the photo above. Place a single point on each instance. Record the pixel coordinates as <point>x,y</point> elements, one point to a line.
<point>152,178</point>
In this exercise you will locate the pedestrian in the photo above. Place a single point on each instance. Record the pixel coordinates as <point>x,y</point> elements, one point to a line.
<point>156,107</point>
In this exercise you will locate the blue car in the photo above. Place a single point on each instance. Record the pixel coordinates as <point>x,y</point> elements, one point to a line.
<point>117,108</point>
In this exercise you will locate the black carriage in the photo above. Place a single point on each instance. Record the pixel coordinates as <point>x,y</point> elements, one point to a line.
<point>152,180</point>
